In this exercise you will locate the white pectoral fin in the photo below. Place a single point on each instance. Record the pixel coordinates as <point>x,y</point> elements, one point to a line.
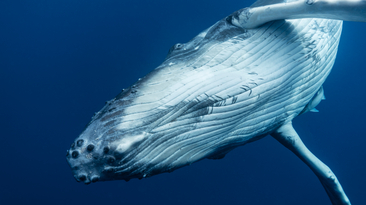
<point>288,137</point>
<point>346,10</point>
<point>323,97</point>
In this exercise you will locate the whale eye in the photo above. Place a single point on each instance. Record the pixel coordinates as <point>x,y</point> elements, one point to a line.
<point>175,47</point>
<point>178,46</point>
<point>106,150</point>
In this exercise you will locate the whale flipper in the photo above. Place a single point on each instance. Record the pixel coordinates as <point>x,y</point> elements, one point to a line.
<point>288,137</point>
<point>310,107</point>
<point>260,13</point>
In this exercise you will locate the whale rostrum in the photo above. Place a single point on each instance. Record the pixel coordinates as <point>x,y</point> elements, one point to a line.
<point>228,86</point>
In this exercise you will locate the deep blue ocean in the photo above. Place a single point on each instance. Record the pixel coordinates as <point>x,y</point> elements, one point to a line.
<point>61,60</point>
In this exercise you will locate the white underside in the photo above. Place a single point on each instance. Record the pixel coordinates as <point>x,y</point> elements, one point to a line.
<point>261,81</point>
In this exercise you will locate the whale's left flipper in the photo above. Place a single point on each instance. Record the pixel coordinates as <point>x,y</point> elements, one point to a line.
<point>288,137</point>
<point>346,10</point>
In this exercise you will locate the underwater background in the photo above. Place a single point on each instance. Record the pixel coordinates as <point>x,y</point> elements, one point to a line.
<point>61,60</point>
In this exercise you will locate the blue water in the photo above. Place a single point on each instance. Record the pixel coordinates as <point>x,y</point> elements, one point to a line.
<point>61,60</point>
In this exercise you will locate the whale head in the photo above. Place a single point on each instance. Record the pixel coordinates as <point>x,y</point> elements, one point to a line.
<point>132,135</point>
<point>92,159</point>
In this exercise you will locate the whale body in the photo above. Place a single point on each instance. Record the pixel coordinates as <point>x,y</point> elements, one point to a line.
<point>226,87</point>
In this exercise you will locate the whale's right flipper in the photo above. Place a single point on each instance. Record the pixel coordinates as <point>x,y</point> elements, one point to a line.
<point>260,13</point>
<point>288,137</point>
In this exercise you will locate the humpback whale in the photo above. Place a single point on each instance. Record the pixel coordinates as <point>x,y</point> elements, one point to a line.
<point>244,78</point>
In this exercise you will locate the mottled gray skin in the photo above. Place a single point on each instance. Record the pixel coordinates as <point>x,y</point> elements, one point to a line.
<point>226,87</point>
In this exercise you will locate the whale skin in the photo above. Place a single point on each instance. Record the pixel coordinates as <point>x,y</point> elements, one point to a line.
<point>226,87</point>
